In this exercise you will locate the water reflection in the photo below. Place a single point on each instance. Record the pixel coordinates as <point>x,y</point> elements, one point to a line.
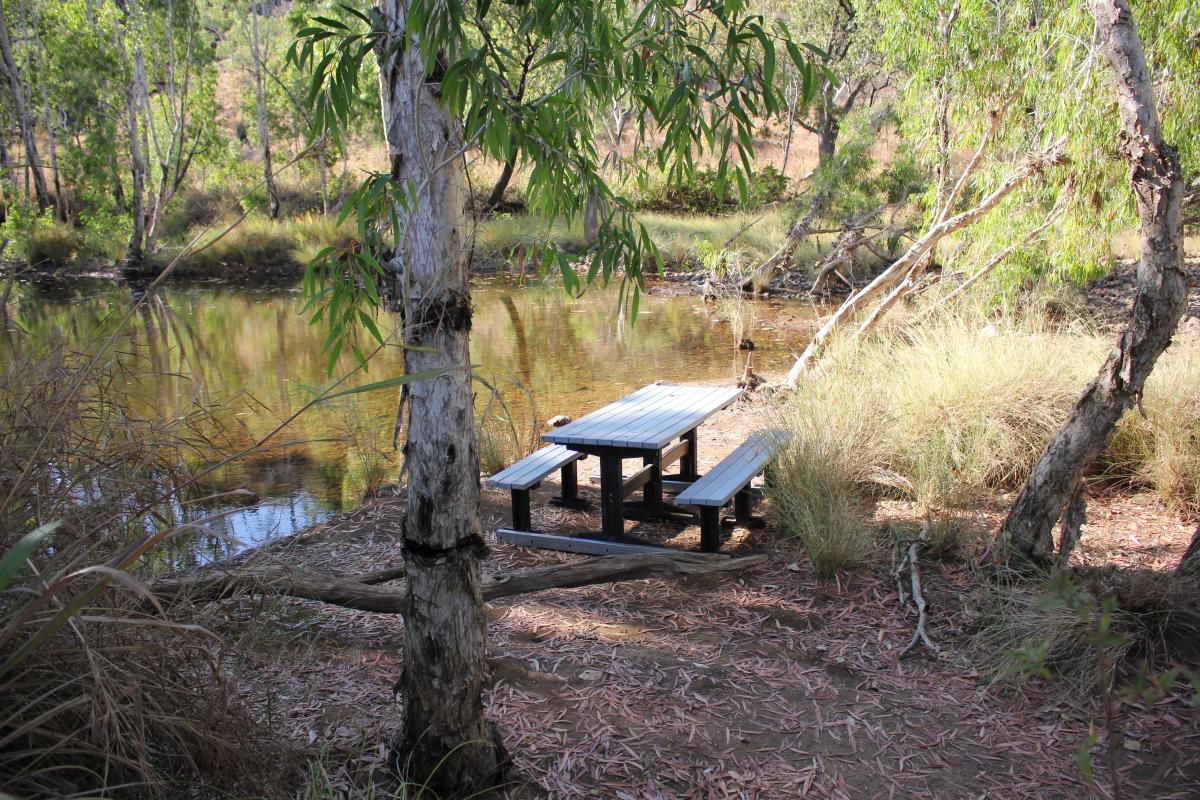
<point>246,355</point>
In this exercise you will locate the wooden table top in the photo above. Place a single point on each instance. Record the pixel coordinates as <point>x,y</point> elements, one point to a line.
<point>648,419</point>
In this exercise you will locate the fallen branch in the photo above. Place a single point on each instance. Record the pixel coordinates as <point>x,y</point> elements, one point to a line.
<point>997,259</point>
<point>909,265</point>
<point>911,560</point>
<point>363,593</point>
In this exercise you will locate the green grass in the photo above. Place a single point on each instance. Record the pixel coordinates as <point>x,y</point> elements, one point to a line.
<point>260,242</point>
<point>814,483</point>
<point>682,238</point>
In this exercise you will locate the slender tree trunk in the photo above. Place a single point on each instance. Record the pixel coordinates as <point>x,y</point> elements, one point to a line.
<point>593,216</point>
<point>6,179</point>
<point>497,195</point>
<point>60,209</point>
<point>446,738</point>
<point>137,162</point>
<point>323,170</point>
<point>24,122</point>
<point>264,135</point>
<point>1160,301</point>
<point>828,127</point>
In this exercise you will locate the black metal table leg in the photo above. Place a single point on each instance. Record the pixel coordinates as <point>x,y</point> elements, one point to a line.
<point>687,463</point>
<point>568,496</point>
<point>522,520</point>
<point>652,492</point>
<point>710,529</point>
<point>611,497</point>
<point>741,506</point>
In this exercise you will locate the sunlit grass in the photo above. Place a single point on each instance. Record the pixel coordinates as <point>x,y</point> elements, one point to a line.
<point>955,411</point>
<point>680,237</point>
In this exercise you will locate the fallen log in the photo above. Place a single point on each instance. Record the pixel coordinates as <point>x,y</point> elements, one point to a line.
<point>363,592</point>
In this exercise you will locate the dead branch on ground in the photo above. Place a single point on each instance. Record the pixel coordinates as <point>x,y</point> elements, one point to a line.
<point>911,560</point>
<point>363,592</point>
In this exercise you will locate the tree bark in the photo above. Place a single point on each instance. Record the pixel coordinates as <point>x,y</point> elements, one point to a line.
<point>137,163</point>
<point>1160,302</point>
<point>594,212</point>
<point>260,106</point>
<point>446,739</point>
<point>24,122</point>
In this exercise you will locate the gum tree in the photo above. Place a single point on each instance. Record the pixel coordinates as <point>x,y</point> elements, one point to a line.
<point>695,74</point>
<point>1055,489</point>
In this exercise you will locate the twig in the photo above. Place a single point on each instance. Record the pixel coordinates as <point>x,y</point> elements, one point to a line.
<point>914,572</point>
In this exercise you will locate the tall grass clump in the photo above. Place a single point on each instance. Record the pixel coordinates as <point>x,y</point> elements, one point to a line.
<point>502,436</point>
<point>1057,626</point>
<point>958,410</point>
<point>972,403</point>
<point>102,691</point>
<point>828,454</point>
<point>1160,448</point>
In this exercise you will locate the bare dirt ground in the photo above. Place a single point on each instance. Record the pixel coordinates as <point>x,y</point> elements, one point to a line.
<point>768,684</point>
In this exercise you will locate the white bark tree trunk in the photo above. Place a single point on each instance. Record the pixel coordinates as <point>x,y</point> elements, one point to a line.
<point>24,122</point>
<point>446,738</point>
<point>1160,302</point>
<point>260,105</point>
<point>137,163</point>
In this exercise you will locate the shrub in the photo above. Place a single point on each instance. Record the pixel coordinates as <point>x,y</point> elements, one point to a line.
<point>1050,626</point>
<point>704,193</point>
<point>39,239</point>
<point>50,245</point>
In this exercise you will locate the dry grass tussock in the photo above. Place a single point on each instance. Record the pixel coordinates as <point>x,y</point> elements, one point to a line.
<point>1085,628</point>
<point>954,411</point>
<point>102,691</point>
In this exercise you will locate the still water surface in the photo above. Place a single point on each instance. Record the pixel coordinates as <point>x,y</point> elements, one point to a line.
<point>248,353</point>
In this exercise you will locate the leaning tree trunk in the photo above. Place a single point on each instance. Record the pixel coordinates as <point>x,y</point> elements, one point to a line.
<point>22,114</point>
<point>260,107</point>
<point>497,196</point>
<point>1189,564</point>
<point>446,739</point>
<point>1160,301</point>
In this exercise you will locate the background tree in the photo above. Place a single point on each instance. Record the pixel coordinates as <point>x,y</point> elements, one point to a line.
<point>260,113</point>
<point>24,118</point>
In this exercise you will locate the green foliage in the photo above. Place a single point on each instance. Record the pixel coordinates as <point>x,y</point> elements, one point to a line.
<point>852,181</point>
<point>700,74</point>
<point>706,192</point>
<point>1040,64</point>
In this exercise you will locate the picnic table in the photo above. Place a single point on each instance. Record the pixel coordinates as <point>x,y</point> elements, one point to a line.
<point>656,424</point>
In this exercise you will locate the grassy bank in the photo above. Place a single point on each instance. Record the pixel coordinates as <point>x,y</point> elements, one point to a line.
<point>952,414</point>
<point>687,241</point>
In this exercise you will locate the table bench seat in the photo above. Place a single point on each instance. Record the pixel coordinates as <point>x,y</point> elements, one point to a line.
<point>729,480</point>
<point>527,473</point>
